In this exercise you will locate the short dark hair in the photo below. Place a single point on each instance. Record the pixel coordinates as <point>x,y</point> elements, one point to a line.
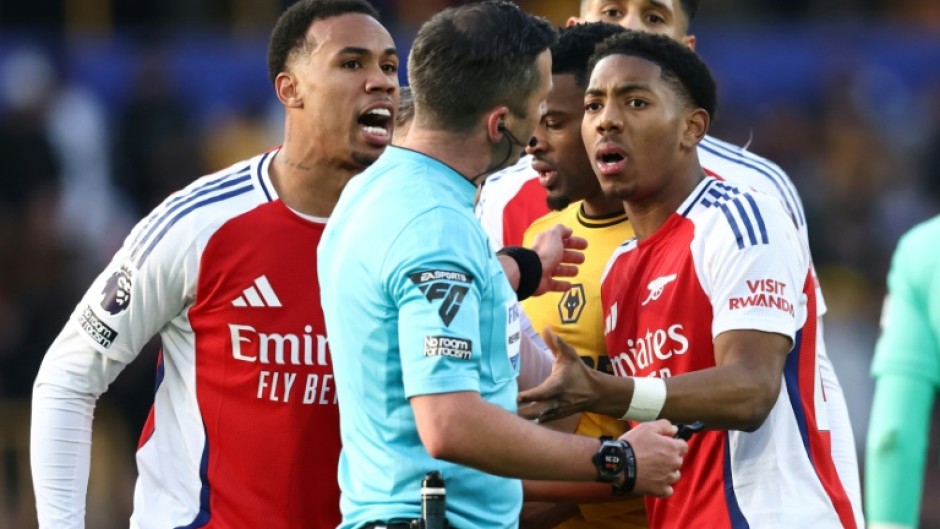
<point>468,59</point>
<point>682,69</point>
<point>690,8</point>
<point>290,31</point>
<point>570,55</point>
<point>406,107</point>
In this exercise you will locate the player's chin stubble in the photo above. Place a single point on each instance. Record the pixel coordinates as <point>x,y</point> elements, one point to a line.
<point>557,202</point>
<point>364,159</point>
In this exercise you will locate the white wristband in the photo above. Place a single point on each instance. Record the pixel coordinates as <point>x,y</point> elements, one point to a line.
<point>649,396</point>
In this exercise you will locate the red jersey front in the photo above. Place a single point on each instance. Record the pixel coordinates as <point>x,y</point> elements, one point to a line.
<point>244,431</point>
<point>729,260</point>
<point>510,201</point>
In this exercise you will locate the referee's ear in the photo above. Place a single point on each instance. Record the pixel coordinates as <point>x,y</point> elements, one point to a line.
<point>285,85</point>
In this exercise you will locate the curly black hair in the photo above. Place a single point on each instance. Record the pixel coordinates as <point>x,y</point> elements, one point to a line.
<point>290,31</point>
<point>682,69</point>
<point>575,45</point>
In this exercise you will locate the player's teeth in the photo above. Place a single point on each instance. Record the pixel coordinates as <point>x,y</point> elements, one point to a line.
<point>381,112</point>
<point>378,131</point>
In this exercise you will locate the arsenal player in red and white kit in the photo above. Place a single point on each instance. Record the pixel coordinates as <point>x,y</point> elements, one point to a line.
<point>710,311</point>
<point>244,431</point>
<point>510,201</point>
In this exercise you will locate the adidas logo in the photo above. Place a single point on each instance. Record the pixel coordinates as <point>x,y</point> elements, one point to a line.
<point>610,322</point>
<point>260,294</point>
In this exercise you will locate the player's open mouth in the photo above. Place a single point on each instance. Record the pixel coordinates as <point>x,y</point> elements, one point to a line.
<point>546,171</point>
<point>375,123</point>
<point>610,159</point>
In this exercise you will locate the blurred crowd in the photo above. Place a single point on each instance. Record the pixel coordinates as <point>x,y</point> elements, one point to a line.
<point>96,129</point>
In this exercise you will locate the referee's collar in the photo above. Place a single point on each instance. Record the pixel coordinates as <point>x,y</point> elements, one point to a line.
<point>465,186</point>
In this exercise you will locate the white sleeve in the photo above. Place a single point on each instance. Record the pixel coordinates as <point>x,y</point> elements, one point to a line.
<point>141,290</point>
<point>72,376</point>
<point>489,212</point>
<point>755,267</point>
<point>536,359</point>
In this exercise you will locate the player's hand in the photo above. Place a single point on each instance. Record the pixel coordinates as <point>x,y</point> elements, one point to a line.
<point>568,389</point>
<point>560,254</point>
<point>658,457</point>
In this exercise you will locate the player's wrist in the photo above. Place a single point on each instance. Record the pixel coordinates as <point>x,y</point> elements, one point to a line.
<point>649,397</point>
<point>607,392</point>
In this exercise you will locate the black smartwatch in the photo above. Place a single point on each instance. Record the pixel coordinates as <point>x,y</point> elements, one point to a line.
<point>614,458</point>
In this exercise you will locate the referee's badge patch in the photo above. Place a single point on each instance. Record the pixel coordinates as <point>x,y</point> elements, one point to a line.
<point>448,346</point>
<point>448,286</point>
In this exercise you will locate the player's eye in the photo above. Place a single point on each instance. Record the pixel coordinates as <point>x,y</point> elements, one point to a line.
<point>390,68</point>
<point>655,19</point>
<point>351,64</point>
<point>612,12</point>
<point>637,103</point>
<point>592,106</point>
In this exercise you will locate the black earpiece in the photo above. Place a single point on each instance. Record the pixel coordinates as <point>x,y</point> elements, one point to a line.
<point>501,127</point>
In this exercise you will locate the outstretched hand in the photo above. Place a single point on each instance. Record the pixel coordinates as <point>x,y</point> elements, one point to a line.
<point>658,457</point>
<point>568,389</point>
<point>559,251</point>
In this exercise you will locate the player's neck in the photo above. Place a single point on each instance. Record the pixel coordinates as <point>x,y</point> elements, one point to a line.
<point>463,152</point>
<point>308,184</point>
<point>599,205</point>
<point>649,213</point>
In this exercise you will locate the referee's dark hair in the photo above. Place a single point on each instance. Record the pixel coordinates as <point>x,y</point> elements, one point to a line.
<point>289,36</point>
<point>469,59</point>
<point>576,44</point>
<point>682,69</point>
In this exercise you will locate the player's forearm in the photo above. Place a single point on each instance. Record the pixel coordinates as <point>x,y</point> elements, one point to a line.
<point>896,449</point>
<point>60,454</point>
<point>462,428</point>
<point>72,376</point>
<point>726,397</point>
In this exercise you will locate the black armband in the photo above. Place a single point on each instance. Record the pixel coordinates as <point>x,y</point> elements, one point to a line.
<point>530,269</point>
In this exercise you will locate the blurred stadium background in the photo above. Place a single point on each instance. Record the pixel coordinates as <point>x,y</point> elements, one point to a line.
<point>109,105</point>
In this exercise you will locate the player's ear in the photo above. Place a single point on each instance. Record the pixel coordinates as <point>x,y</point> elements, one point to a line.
<point>285,85</point>
<point>572,21</point>
<point>696,125</point>
<point>689,41</point>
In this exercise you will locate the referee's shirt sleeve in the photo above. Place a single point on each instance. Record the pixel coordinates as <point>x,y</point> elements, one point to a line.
<point>434,274</point>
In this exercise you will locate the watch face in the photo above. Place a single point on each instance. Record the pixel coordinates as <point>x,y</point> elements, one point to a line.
<point>609,460</point>
<point>613,463</point>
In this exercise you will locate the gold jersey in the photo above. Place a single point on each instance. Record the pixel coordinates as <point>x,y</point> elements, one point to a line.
<point>578,318</point>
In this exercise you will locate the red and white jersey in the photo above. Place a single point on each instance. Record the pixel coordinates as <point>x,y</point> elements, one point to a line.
<point>510,201</point>
<point>730,260</point>
<point>746,170</point>
<point>244,431</point>
<point>512,198</point>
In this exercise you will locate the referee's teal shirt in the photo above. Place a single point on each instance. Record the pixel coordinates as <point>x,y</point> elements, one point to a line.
<point>416,303</point>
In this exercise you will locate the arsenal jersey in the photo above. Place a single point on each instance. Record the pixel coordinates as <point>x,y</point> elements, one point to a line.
<point>244,430</point>
<point>730,260</point>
